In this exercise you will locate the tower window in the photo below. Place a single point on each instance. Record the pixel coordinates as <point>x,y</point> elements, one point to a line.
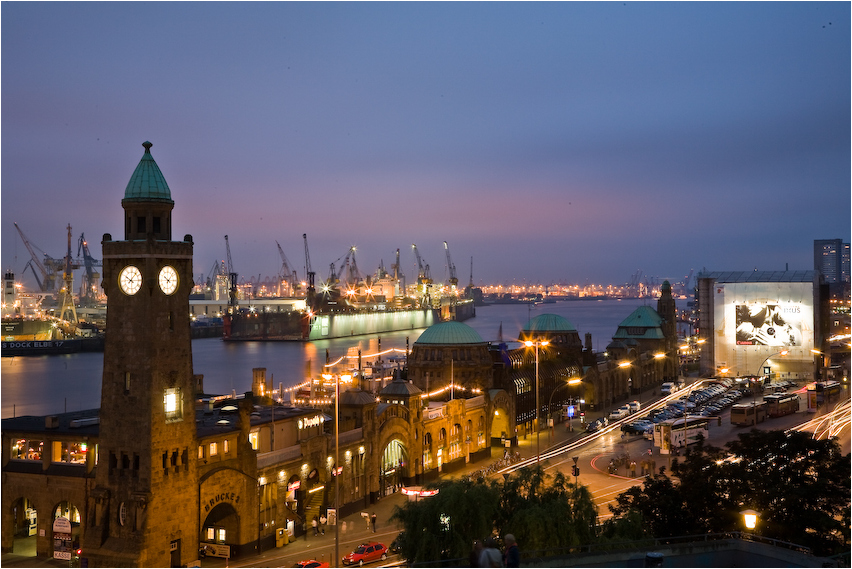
<point>127,382</point>
<point>140,224</point>
<point>156,225</point>
<point>173,405</point>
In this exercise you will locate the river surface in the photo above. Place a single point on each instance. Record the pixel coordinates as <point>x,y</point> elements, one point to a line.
<point>43,385</point>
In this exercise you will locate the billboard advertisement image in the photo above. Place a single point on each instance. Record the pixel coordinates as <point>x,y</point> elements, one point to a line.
<point>768,325</point>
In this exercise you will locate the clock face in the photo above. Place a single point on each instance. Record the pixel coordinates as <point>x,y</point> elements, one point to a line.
<point>168,279</point>
<point>130,279</point>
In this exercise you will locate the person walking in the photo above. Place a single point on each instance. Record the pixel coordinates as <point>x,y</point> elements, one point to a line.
<point>512,556</point>
<point>315,525</point>
<point>373,521</point>
<point>323,521</point>
<point>490,556</point>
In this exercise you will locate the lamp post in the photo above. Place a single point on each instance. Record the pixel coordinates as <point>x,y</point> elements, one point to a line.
<point>572,381</point>
<point>781,353</point>
<point>529,344</point>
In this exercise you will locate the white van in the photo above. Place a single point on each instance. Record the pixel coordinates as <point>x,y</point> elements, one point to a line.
<point>668,388</point>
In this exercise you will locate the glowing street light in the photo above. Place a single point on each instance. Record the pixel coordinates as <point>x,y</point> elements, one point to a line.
<point>750,518</point>
<point>530,344</point>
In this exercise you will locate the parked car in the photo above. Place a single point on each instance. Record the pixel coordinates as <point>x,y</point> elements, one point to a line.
<point>366,552</point>
<point>619,413</point>
<point>311,563</point>
<point>634,406</point>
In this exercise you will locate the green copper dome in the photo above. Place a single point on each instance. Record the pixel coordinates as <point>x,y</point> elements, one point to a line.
<point>147,182</point>
<point>549,323</point>
<point>450,333</point>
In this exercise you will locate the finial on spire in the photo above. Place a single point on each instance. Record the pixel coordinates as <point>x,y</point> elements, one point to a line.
<point>147,146</point>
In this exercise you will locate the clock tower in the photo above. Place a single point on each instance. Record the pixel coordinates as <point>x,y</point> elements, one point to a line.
<point>143,509</point>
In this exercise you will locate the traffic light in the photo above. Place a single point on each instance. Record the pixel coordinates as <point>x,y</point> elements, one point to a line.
<point>575,470</point>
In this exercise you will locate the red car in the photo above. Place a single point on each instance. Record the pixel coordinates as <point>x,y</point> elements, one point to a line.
<point>311,563</point>
<point>367,552</point>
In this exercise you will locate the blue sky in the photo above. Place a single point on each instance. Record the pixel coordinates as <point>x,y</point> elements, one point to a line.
<point>552,142</point>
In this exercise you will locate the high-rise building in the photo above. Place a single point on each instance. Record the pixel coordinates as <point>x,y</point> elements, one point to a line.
<point>831,259</point>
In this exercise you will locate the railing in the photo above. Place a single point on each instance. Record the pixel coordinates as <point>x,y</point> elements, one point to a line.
<point>271,458</point>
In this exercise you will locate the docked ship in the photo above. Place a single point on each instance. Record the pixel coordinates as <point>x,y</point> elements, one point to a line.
<point>347,305</point>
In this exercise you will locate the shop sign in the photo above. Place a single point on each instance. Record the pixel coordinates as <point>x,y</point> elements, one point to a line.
<point>62,539</point>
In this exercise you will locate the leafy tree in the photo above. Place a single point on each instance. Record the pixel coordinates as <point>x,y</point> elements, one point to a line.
<point>444,526</point>
<point>546,516</point>
<point>541,515</point>
<point>799,485</point>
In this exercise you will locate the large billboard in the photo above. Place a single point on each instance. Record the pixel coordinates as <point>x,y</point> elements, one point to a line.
<point>760,325</point>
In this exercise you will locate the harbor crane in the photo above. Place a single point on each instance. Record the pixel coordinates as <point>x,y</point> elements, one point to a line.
<point>424,279</point>
<point>89,286</point>
<point>47,270</point>
<point>67,292</point>
<point>232,280</point>
<point>287,272</point>
<point>311,293</point>
<point>454,281</point>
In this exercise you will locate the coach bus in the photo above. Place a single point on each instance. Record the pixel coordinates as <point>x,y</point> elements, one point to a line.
<point>780,404</point>
<point>748,413</point>
<point>674,434</point>
<point>822,392</point>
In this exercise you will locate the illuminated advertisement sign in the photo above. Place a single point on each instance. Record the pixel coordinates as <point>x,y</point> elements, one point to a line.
<point>755,321</point>
<point>768,324</point>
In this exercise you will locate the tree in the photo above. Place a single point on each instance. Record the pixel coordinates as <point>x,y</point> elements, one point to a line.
<point>541,515</point>
<point>799,485</point>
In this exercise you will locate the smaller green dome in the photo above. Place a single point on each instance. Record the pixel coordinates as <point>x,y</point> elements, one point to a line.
<point>147,182</point>
<point>451,332</point>
<point>549,323</point>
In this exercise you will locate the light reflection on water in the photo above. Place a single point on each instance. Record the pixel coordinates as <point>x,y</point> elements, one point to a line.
<point>72,382</point>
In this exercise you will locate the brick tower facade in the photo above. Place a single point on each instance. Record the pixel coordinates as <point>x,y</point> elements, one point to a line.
<point>143,509</point>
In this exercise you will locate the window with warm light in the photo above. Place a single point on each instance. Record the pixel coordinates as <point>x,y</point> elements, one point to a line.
<point>214,449</point>
<point>253,439</point>
<point>172,405</point>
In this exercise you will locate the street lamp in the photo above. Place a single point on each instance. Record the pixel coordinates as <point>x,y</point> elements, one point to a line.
<point>572,381</point>
<point>781,353</point>
<point>529,344</point>
<point>750,518</point>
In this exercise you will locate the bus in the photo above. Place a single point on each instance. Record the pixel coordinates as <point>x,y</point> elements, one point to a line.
<point>748,413</point>
<point>780,404</point>
<point>822,392</point>
<point>677,433</point>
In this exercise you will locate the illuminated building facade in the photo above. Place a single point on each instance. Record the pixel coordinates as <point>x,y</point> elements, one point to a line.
<point>754,321</point>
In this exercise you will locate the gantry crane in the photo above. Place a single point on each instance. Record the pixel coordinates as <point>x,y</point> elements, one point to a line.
<point>232,280</point>
<point>89,287</point>
<point>287,272</point>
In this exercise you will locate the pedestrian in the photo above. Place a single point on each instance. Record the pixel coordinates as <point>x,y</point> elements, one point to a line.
<point>475,552</point>
<point>373,521</point>
<point>512,556</point>
<point>323,521</point>
<point>315,525</point>
<point>633,469</point>
<point>490,556</point>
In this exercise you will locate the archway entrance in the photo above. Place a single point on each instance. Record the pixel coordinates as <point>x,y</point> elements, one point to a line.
<point>394,469</point>
<point>501,432</point>
<point>221,526</point>
<point>24,527</point>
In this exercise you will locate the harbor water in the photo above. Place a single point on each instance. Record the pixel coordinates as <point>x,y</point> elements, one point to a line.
<point>43,385</point>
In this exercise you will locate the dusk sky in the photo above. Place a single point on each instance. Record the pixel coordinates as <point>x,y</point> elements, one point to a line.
<point>552,142</point>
